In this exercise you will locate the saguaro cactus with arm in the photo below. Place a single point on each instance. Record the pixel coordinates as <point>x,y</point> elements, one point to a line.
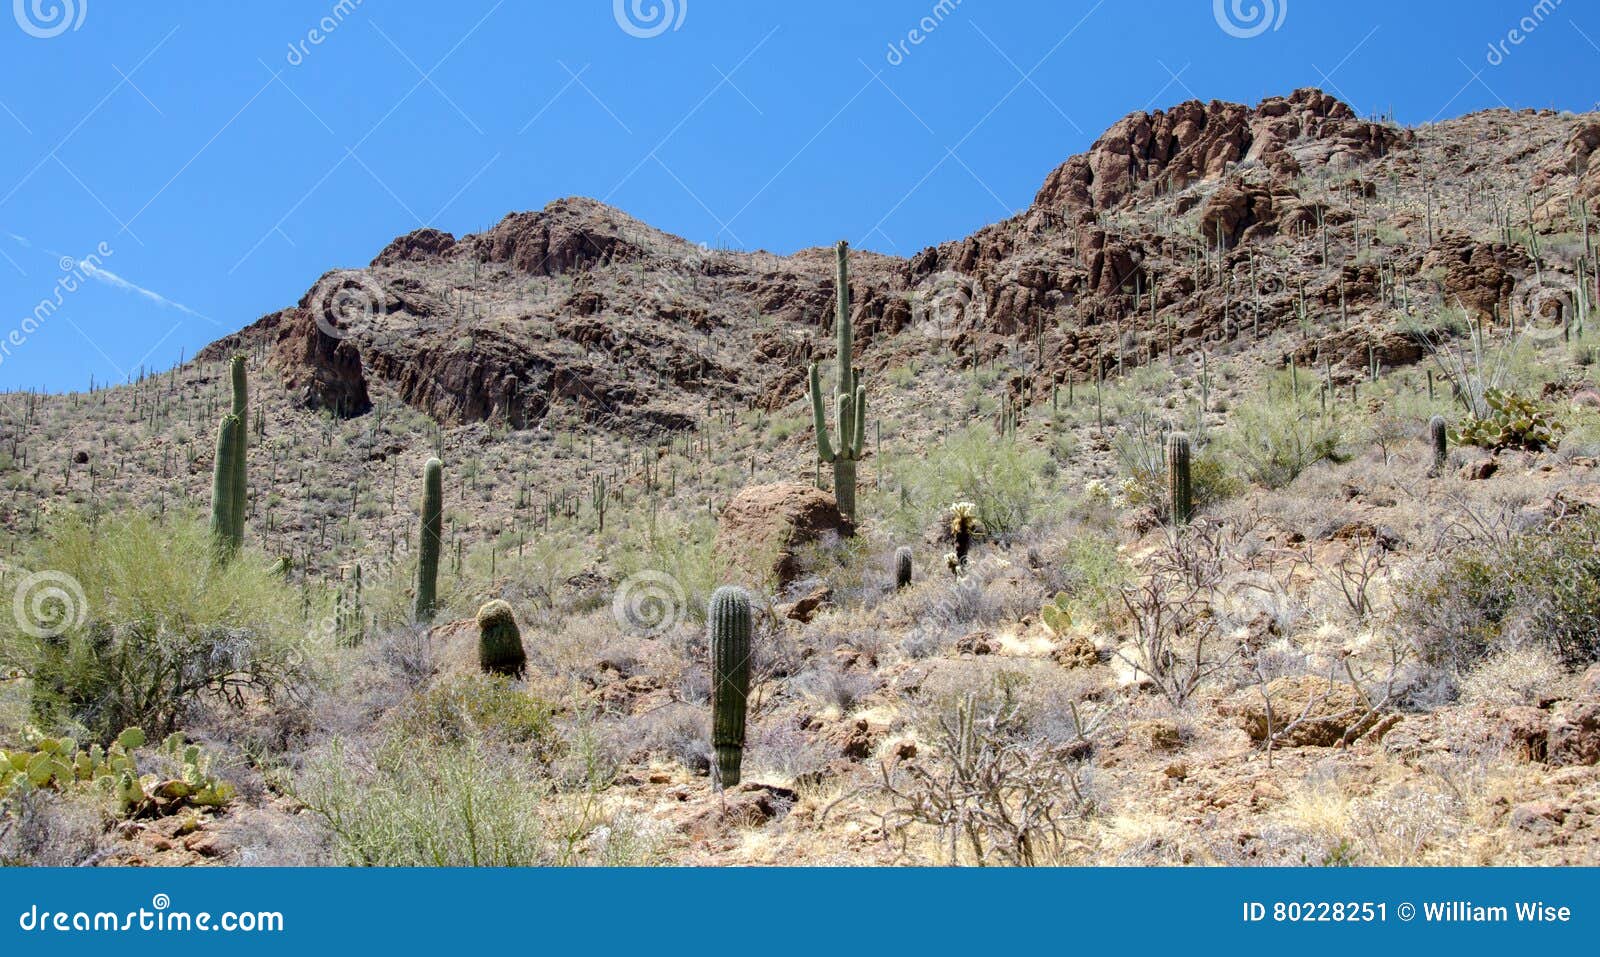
<point>850,399</point>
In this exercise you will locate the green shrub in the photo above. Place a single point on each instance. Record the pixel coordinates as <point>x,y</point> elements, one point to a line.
<point>457,709</point>
<point>1273,438</point>
<point>1541,585</point>
<point>418,804</point>
<point>1142,457</point>
<point>1004,479</point>
<point>162,627</point>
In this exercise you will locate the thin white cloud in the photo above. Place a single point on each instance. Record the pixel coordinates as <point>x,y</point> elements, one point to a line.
<point>101,274</point>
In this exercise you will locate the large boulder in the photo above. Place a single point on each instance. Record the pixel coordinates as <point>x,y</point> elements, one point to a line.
<point>1307,711</point>
<point>763,530</point>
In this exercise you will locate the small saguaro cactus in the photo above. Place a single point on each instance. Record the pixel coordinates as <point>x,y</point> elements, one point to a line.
<point>431,540</point>
<point>728,620</point>
<point>500,650</point>
<point>1439,439</point>
<point>224,525</point>
<point>851,400</point>
<point>902,567</point>
<point>1180,485</point>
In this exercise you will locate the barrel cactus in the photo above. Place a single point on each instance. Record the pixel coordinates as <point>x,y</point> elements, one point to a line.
<point>431,540</point>
<point>1179,482</point>
<point>500,650</point>
<point>728,621</point>
<point>902,567</point>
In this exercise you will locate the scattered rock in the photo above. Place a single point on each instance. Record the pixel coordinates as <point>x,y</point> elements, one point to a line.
<point>978,643</point>
<point>1307,711</point>
<point>765,526</point>
<point>1076,652</point>
<point>806,608</point>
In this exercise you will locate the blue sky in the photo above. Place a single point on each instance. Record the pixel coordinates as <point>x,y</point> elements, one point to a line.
<point>224,158</point>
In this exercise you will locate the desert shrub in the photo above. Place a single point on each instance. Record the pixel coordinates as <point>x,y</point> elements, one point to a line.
<point>685,551</point>
<point>1004,479</point>
<point>1142,456</point>
<point>160,626</point>
<point>412,804</point>
<point>1272,439</point>
<point>461,707</point>
<point>1502,591</point>
<point>1513,676</point>
<point>829,685</point>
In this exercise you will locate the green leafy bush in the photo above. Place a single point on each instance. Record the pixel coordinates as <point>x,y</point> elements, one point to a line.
<point>161,626</point>
<point>1273,439</point>
<point>1003,479</point>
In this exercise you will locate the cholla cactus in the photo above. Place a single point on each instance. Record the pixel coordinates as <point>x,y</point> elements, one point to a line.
<point>1096,492</point>
<point>963,522</point>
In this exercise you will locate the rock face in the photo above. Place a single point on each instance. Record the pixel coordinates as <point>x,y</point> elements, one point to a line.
<point>765,527</point>
<point>577,315</point>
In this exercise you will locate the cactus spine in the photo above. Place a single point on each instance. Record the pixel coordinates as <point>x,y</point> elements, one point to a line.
<point>225,527</point>
<point>1179,484</point>
<point>902,567</point>
<point>500,649</point>
<point>431,540</point>
<point>728,619</point>
<point>1439,438</point>
<point>851,400</point>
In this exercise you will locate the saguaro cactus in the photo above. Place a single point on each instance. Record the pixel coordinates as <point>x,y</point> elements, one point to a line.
<point>902,567</point>
<point>431,540</point>
<point>500,650</point>
<point>851,400</point>
<point>1179,483</point>
<point>225,528</point>
<point>728,620</point>
<point>1439,438</point>
<point>241,409</point>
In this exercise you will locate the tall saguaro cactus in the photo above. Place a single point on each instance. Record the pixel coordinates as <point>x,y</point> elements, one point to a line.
<point>225,528</point>
<point>431,540</point>
<point>1179,483</point>
<point>241,410</point>
<point>850,399</point>
<point>728,619</point>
